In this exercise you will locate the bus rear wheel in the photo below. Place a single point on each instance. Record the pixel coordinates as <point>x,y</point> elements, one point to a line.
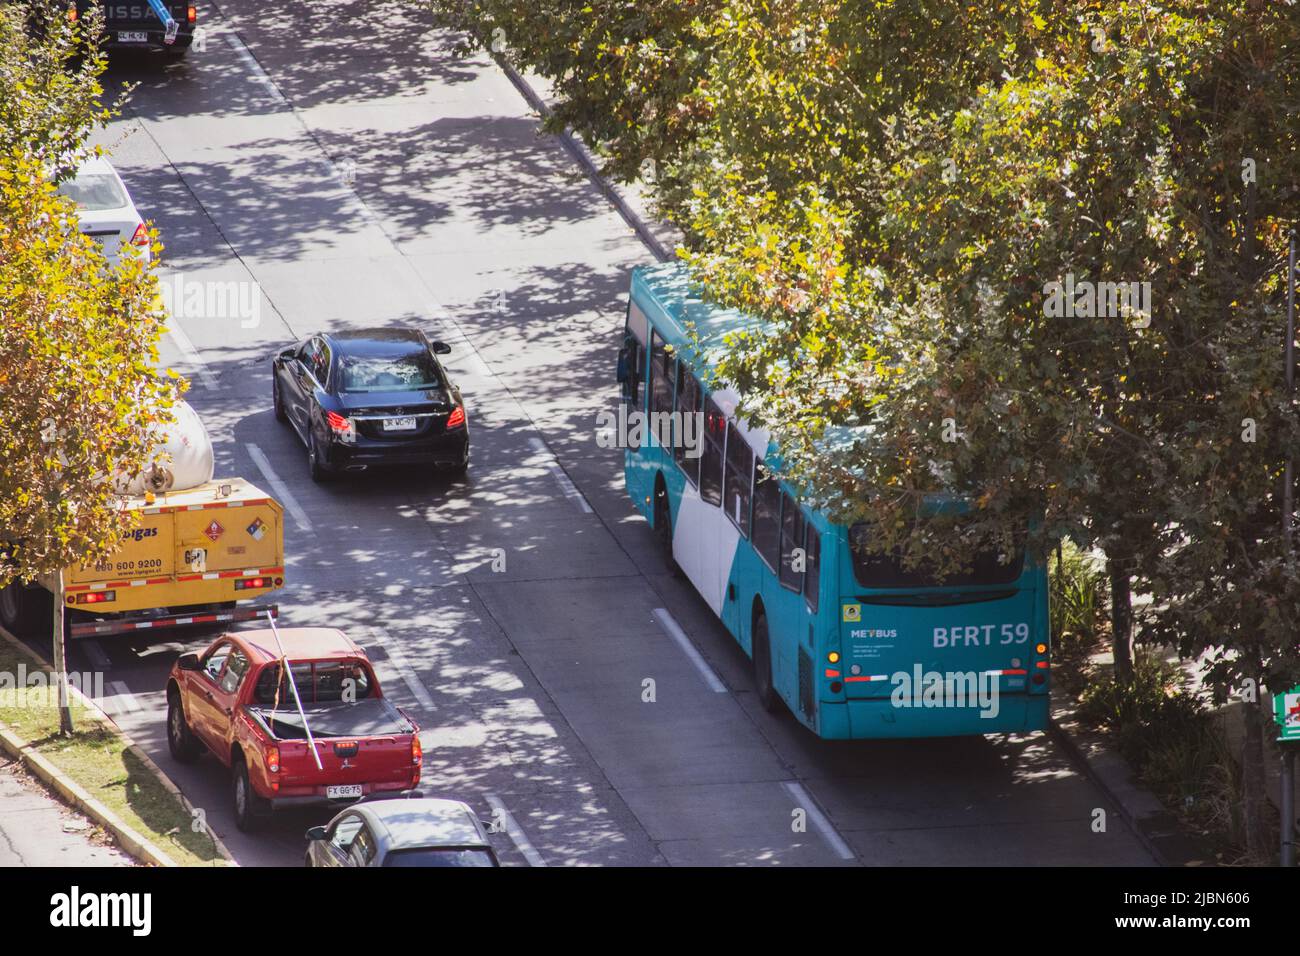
<point>767,695</point>
<point>664,528</point>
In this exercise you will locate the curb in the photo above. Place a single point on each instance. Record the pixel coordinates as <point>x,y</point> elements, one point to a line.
<point>1158,830</point>
<point>73,793</point>
<point>588,162</point>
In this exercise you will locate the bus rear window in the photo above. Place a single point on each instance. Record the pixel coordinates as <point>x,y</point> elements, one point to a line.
<point>887,571</point>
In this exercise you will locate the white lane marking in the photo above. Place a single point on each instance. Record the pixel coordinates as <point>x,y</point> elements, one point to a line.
<point>191,354</point>
<point>281,490</point>
<point>122,700</point>
<point>675,631</point>
<point>397,657</point>
<point>569,489</point>
<point>260,75</point>
<point>516,832</point>
<point>803,800</point>
<point>96,654</point>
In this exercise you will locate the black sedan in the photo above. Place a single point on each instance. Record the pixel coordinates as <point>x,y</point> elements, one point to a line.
<point>373,397</point>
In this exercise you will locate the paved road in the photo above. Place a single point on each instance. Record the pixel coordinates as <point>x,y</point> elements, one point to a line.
<point>339,156</point>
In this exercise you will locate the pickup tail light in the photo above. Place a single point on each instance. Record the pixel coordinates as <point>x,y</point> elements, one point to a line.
<point>273,759</point>
<point>457,417</point>
<point>417,754</point>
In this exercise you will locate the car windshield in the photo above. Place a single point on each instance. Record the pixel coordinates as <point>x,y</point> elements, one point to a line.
<point>94,192</point>
<point>439,857</point>
<point>409,371</point>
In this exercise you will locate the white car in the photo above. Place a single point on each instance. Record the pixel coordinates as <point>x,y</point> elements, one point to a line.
<point>105,210</point>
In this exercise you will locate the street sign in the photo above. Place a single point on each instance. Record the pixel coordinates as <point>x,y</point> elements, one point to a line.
<point>1286,711</point>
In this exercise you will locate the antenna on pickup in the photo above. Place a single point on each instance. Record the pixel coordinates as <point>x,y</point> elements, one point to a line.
<point>293,685</point>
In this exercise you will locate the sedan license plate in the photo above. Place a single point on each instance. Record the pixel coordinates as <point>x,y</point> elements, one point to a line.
<point>399,424</point>
<point>343,791</point>
<point>132,36</point>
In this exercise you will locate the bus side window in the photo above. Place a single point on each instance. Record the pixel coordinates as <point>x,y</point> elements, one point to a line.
<point>739,480</point>
<point>662,369</point>
<point>791,539</point>
<point>690,441</point>
<point>767,517</point>
<point>812,567</point>
<point>715,434</point>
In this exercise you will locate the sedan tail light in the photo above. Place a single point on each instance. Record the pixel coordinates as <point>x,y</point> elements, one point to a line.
<point>342,427</point>
<point>141,237</point>
<point>190,14</point>
<point>457,417</point>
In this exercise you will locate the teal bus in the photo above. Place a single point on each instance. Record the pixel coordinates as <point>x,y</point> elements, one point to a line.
<point>851,642</point>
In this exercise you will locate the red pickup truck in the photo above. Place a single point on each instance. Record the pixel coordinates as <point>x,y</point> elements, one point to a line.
<point>235,700</point>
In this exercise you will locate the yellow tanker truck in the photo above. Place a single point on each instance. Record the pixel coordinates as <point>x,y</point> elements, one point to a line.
<point>201,546</point>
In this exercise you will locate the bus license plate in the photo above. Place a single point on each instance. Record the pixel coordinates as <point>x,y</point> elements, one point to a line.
<point>343,791</point>
<point>399,424</point>
<point>132,36</point>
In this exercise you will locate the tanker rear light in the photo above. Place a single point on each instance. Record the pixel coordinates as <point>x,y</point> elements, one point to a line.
<point>96,597</point>
<point>243,584</point>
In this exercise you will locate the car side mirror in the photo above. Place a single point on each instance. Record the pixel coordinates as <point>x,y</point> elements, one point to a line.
<point>317,833</point>
<point>188,662</point>
<point>441,348</point>
<point>288,353</point>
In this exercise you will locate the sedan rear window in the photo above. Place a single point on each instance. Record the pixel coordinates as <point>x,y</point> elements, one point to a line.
<point>412,371</point>
<point>94,192</point>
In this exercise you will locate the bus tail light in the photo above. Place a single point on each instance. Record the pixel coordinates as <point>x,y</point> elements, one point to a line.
<point>191,14</point>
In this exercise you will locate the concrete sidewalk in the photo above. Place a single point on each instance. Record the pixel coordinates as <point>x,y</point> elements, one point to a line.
<point>38,830</point>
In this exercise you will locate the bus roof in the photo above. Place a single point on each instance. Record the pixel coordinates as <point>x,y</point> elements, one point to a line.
<point>675,305</point>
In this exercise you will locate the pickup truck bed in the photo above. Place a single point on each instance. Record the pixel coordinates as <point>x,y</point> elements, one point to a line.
<point>372,717</point>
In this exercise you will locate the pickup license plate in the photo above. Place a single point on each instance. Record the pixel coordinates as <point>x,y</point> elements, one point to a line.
<point>343,791</point>
<point>399,424</point>
<point>132,36</point>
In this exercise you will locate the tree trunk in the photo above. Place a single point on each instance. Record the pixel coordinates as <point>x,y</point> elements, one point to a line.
<point>1121,619</point>
<point>60,662</point>
<point>1252,782</point>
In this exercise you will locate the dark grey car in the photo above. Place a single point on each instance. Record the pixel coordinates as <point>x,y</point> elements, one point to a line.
<point>402,832</point>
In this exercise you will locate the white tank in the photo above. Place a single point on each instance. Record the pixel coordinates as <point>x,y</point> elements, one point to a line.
<point>188,462</point>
